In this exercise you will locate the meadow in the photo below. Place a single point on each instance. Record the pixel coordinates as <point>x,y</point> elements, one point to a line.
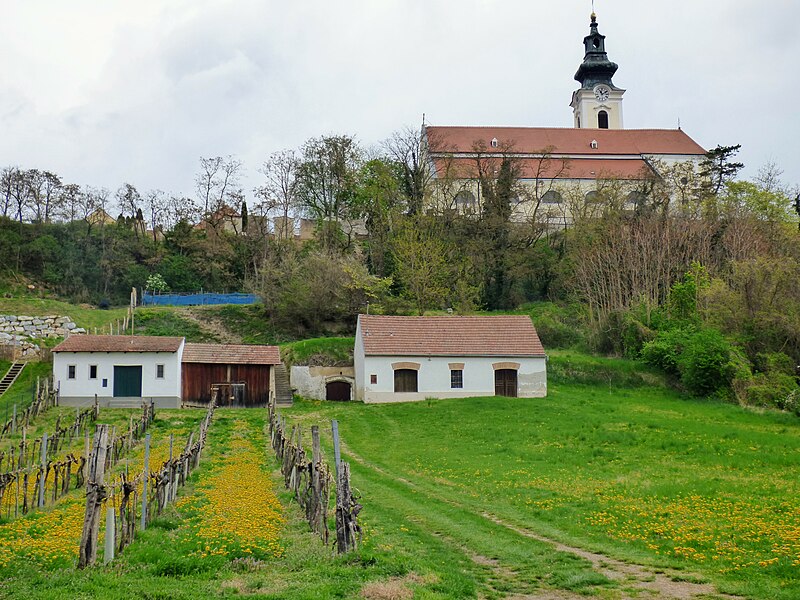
<point>643,474</point>
<point>613,486</point>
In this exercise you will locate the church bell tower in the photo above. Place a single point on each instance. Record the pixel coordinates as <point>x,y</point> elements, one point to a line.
<point>597,104</point>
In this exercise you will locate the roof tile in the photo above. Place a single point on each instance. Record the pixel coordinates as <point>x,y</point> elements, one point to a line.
<point>501,335</point>
<point>119,343</point>
<point>534,140</point>
<point>239,354</point>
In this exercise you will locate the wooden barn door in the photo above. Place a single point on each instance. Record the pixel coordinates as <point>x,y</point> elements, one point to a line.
<point>337,390</point>
<point>505,382</point>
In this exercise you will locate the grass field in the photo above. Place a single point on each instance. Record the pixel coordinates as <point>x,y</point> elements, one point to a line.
<point>466,498</point>
<point>639,474</point>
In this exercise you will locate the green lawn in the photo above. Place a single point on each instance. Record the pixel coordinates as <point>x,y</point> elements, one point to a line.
<point>639,473</point>
<point>324,352</point>
<point>84,315</point>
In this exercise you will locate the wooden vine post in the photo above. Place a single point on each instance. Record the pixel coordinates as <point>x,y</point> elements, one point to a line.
<point>95,496</point>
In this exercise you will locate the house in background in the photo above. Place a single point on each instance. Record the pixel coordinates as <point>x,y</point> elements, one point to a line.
<point>120,370</point>
<point>233,374</point>
<point>401,359</point>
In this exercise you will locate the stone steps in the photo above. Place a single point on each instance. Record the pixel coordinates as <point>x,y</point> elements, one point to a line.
<point>283,389</point>
<point>10,377</point>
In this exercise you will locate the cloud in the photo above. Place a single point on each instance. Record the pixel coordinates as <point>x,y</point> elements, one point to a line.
<point>109,92</point>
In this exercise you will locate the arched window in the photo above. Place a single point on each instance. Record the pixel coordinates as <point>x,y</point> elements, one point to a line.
<point>592,197</point>
<point>635,200</point>
<point>551,197</point>
<point>602,120</point>
<point>405,380</point>
<point>465,202</point>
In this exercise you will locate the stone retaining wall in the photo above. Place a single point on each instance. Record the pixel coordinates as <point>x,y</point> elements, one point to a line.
<point>18,331</point>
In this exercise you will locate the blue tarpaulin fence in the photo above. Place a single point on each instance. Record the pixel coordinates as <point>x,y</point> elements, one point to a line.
<point>150,299</point>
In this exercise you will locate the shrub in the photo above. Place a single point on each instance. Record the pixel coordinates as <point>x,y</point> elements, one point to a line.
<point>774,390</point>
<point>705,364</point>
<point>104,304</point>
<point>665,350</point>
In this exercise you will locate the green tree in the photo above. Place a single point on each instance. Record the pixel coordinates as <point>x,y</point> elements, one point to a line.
<point>326,185</point>
<point>719,168</point>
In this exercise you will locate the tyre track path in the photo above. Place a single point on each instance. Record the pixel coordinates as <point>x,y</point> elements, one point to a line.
<point>633,580</point>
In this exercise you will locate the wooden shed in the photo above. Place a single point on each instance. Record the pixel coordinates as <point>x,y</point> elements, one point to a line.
<point>237,375</point>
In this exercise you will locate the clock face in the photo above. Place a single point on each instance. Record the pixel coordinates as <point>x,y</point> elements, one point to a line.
<point>602,93</point>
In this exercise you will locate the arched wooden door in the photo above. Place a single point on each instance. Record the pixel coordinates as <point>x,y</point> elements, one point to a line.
<point>337,390</point>
<point>505,382</point>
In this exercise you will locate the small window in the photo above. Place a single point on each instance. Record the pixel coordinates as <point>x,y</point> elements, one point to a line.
<point>602,120</point>
<point>105,382</point>
<point>494,142</point>
<point>71,372</point>
<point>92,371</point>
<point>593,145</point>
<point>159,371</point>
<point>456,378</point>
<point>373,379</point>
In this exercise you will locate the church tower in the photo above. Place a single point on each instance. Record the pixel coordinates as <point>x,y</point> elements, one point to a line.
<point>598,103</point>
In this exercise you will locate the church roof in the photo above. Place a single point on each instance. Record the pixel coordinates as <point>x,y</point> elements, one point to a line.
<point>553,168</point>
<point>563,141</point>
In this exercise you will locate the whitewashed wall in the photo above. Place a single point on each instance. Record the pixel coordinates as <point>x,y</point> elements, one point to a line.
<point>311,382</point>
<point>433,379</point>
<point>80,391</point>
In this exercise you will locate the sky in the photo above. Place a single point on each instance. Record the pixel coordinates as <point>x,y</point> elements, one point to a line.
<point>107,92</point>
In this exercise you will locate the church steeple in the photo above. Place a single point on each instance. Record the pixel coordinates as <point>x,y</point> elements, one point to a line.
<point>597,104</point>
<point>596,68</point>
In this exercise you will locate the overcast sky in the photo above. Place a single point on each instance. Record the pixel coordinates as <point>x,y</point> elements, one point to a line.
<point>106,92</point>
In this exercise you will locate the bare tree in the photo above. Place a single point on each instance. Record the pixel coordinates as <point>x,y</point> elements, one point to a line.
<point>20,192</point>
<point>7,177</point>
<point>408,148</point>
<point>217,182</point>
<point>69,201</point>
<point>177,209</point>
<point>130,200</point>
<point>156,204</point>
<point>278,193</point>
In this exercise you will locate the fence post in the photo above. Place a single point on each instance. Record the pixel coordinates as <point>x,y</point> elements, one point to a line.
<point>337,456</point>
<point>316,509</point>
<point>145,478</point>
<point>110,541</point>
<point>95,496</point>
<point>44,471</point>
<point>14,421</point>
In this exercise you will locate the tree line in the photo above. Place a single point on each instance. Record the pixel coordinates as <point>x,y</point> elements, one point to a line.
<point>389,235</point>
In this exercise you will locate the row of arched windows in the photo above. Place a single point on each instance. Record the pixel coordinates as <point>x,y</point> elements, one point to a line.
<point>466,202</point>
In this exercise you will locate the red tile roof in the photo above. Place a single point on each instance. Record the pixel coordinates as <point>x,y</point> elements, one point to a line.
<point>554,168</point>
<point>231,354</point>
<point>119,343</point>
<point>503,335</point>
<point>532,140</point>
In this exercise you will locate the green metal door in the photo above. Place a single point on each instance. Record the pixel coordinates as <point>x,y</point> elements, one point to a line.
<point>127,382</point>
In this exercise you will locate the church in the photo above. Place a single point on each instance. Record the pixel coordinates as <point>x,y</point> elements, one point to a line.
<point>563,170</point>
